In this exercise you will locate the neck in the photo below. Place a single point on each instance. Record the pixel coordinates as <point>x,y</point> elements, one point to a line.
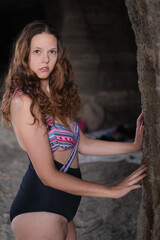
<point>45,85</point>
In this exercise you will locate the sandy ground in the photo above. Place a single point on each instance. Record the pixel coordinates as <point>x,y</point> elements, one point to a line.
<point>97,218</point>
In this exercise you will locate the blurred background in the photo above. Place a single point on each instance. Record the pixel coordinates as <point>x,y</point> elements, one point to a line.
<point>102,50</point>
<point>101,45</point>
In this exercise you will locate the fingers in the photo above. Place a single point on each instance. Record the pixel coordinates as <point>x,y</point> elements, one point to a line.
<point>138,172</point>
<point>131,182</point>
<point>140,118</point>
<point>135,187</point>
<point>137,175</point>
<point>140,126</point>
<point>141,130</point>
<point>137,179</point>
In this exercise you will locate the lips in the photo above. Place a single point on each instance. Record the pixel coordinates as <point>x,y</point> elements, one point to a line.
<point>44,69</point>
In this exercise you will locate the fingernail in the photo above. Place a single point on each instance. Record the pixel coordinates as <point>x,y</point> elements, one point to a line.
<point>145,164</point>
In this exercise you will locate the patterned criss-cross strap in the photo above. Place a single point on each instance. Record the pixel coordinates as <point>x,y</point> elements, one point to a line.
<point>69,161</point>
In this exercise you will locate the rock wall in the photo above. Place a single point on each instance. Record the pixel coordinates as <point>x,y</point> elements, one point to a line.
<point>101,46</point>
<point>145,19</point>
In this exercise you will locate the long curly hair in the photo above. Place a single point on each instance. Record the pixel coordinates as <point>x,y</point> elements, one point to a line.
<point>63,88</point>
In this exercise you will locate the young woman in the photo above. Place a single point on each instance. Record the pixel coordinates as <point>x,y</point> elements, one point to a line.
<point>41,103</point>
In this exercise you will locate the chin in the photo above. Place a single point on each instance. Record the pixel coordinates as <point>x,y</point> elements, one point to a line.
<point>43,78</point>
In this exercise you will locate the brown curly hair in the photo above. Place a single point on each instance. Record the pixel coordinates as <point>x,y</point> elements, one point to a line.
<point>63,89</point>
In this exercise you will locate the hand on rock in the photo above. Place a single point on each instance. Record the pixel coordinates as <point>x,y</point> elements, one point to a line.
<point>129,183</point>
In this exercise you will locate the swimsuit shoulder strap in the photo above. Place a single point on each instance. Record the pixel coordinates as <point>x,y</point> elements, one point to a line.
<point>69,161</point>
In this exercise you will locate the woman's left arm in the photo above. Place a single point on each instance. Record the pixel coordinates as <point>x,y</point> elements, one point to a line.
<point>88,146</point>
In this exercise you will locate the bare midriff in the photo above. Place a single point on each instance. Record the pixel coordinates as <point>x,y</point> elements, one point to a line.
<point>60,155</point>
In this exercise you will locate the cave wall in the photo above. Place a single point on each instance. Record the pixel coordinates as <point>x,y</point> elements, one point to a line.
<point>102,50</point>
<point>145,18</point>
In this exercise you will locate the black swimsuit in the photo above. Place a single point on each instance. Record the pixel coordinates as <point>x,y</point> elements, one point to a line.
<point>34,196</point>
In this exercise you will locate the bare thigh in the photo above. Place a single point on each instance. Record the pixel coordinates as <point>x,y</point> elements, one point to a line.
<point>71,235</point>
<point>40,226</point>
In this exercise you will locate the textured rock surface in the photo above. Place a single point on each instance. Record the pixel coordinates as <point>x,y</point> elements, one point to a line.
<point>145,19</point>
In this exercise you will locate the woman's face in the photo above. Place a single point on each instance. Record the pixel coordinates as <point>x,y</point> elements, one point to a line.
<point>43,54</point>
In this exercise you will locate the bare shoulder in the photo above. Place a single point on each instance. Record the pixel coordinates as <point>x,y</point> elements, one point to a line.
<point>20,101</point>
<point>20,109</point>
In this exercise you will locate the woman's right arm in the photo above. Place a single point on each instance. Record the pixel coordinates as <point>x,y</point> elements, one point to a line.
<point>35,140</point>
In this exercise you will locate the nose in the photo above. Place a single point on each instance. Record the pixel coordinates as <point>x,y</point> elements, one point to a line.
<point>45,58</point>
